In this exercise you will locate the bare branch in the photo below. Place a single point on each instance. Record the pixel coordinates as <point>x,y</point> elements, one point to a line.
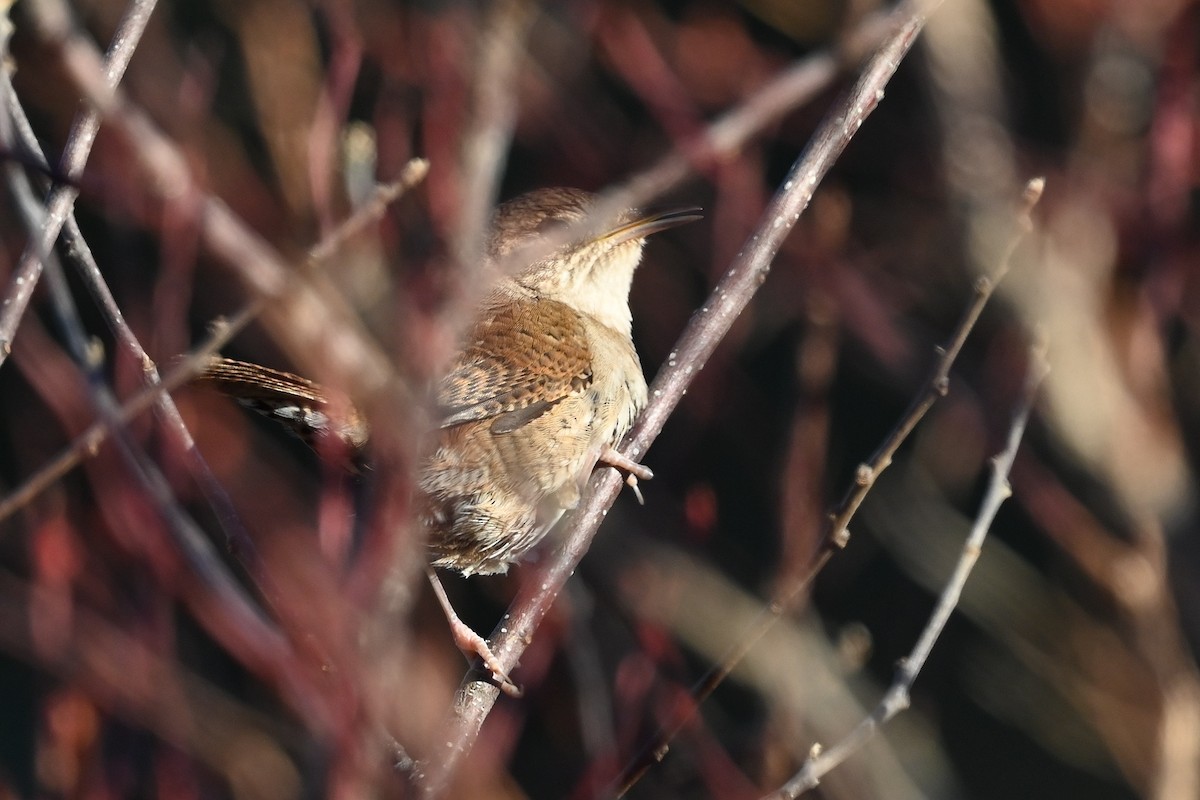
<point>939,381</point>
<point>62,196</point>
<point>717,142</point>
<point>836,534</point>
<point>476,697</point>
<point>897,697</point>
<point>489,130</point>
<point>192,365</point>
<point>302,313</point>
<point>370,212</point>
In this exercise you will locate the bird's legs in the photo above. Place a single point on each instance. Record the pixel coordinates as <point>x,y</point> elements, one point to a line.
<point>469,641</point>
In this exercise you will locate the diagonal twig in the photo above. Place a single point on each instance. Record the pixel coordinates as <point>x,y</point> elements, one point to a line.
<point>495,77</point>
<point>229,239</point>
<point>709,148</point>
<point>62,196</point>
<point>896,699</point>
<point>194,363</point>
<point>836,533</point>
<point>301,313</point>
<point>708,326</point>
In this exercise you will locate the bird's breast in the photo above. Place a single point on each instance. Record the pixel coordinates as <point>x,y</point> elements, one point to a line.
<point>493,491</point>
<point>618,388</point>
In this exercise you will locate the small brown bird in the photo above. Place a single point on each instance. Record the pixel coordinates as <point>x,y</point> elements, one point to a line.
<point>547,382</point>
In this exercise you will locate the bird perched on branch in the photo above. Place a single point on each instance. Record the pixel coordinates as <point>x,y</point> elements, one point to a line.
<point>545,385</point>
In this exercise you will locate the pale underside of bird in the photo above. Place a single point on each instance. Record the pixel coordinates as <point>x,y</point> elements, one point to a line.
<point>546,383</point>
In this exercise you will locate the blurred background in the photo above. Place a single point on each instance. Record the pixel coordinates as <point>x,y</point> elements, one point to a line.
<point>1068,669</point>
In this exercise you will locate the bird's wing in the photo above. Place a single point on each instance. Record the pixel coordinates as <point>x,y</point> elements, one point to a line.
<point>517,363</point>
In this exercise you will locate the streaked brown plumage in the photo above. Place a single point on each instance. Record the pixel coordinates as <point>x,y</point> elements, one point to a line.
<point>547,382</point>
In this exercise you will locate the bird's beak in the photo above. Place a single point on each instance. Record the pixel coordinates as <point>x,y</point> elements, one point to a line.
<point>652,223</point>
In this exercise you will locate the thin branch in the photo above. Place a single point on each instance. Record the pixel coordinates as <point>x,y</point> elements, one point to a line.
<point>836,534</point>
<point>896,699</point>
<point>485,143</point>
<point>102,397</point>
<point>706,329</point>
<point>216,599</point>
<point>370,212</point>
<point>302,313</point>
<point>87,443</point>
<point>188,367</point>
<point>939,381</point>
<point>713,145</point>
<point>62,196</point>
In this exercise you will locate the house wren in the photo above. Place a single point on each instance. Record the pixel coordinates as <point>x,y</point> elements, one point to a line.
<point>547,382</point>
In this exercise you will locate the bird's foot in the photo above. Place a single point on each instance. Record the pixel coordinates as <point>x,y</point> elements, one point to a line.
<point>632,469</point>
<point>470,642</point>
